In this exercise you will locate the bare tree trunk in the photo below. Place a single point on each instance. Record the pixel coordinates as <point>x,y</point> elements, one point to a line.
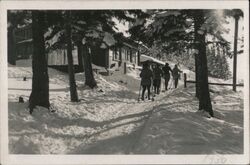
<point>40,80</point>
<point>204,95</point>
<point>72,83</point>
<point>236,18</point>
<point>89,76</point>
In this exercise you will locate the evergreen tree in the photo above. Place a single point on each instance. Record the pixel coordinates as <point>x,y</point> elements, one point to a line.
<point>96,29</point>
<point>60,33</point>
<point>72,83</point>
<point>40,80</point>
<point>200,39</point>
<point>190,27</point>
<point>217,65</point>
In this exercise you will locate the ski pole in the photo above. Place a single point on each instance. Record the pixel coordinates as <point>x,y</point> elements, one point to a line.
<point>152,85</point>
<point>139,93</point>
<point>170,83</point>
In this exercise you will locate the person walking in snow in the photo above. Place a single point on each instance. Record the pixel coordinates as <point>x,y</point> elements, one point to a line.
<point>146,78</point>
<point>166,74</point>
<point>157,74</point>
<point>176,75</point>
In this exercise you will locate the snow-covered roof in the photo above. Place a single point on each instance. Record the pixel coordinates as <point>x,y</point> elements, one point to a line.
<point>144,58</point>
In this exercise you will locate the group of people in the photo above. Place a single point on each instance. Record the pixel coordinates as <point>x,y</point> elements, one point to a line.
<point>147,75</point>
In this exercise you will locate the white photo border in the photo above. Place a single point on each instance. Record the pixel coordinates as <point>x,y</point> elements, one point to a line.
<point>117,159</point>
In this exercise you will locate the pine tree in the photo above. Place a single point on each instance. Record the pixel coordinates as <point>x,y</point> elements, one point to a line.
<point>217,65</point>
<point>60,24</point>
<point>96,29</point>
<point>89,75</point>
<point>40,80</point>
<point>72,83</point>
<point>173,26</point>
<point>200,38</point>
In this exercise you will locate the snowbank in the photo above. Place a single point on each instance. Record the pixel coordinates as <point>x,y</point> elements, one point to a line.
<point>177,127</point>
<point>103,115</point>
<point>108,119</point>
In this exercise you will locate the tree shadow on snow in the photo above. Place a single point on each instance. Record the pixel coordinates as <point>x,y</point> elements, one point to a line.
<point>172,120</point>
<point>22,124</point>
<point>85,136</point>
<point>110,97</point>
<point>123,144</point>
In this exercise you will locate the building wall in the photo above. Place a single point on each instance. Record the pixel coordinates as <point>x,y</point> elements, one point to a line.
<point>117,56</point>
<point>99,57</point>
<point>59,57</point>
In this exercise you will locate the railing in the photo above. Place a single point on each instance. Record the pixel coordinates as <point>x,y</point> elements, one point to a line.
<point>221,84</point>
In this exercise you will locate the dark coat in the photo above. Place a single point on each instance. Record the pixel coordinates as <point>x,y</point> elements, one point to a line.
<point>166,70</point>
<point>146,76</point>
<point>176,72</point>
<point>157,73</point>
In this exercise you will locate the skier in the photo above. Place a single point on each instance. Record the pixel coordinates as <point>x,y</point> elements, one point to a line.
<point>166,74</point>
<point>176,75</point>
<point>146,77</point>
<point>157,73</point>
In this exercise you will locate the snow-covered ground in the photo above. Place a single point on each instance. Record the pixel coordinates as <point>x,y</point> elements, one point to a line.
<point>109,120</point>
<point>176,127</point>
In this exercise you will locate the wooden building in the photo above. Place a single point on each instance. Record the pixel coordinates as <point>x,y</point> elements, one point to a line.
<point>111,57</point>
<point>114,56</point>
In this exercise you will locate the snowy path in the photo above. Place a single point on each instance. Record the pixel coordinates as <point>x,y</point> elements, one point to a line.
<point>108,120</point>
<point>181,129</point>
<point>125,131</point>
<point>82,134</point>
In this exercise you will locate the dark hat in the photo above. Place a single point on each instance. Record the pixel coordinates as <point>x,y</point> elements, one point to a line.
<point>166,63</point>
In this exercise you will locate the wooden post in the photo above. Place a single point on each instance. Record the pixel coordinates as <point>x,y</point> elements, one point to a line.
<point>235,53</point>
<point>125,68</point>
<point>185,80</point>
<point>120,53</point>
<point>138,58</point>
<point>131,55</point>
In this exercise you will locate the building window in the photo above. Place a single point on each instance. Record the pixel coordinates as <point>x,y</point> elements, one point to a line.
<point>115,54</point>
<point>127,55</point>
<point>123,54</point>
<point>131,55</point>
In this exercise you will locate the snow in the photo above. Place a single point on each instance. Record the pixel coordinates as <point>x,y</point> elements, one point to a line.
<point>145,58</point>
<point>184,130</point>
<point>109,120</point>
<point>109,39</point>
